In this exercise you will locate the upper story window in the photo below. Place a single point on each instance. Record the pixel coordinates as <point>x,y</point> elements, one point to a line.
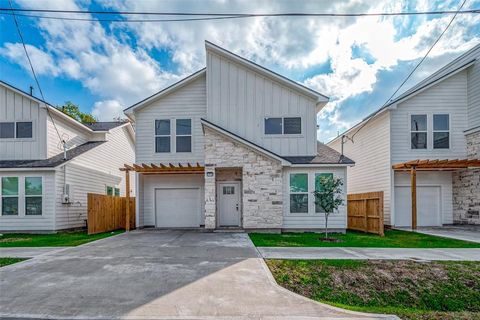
<point>418,129</point>
<point>19,130</point>
<point>441,131</point>
<point>183,133</point>
<point>286,125</point>
<point>162,135</point>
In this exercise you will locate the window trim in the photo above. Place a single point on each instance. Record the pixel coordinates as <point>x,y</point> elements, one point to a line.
<point>283,134</point>
<point>155,135</point>
<point>184,135</point>
<point>10,196</point>
<point>419,131</point>
<point>22,196</point>
<point>25,196</point>
<point>290,192</point>
<point>446,131</point>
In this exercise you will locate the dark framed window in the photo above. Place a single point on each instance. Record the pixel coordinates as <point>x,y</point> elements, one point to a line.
<point>7,130</point>
<point>109,191</point>
<point>183,135</point>
<point>441,131</point>
<point>162,135</point>
<point>418,131</point>
<point>24,130</point>
<point>117,192</point>
<point>292,125</point>
<point>273,126</point>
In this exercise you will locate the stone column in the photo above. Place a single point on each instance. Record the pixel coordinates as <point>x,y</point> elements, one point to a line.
<point>210,197</point>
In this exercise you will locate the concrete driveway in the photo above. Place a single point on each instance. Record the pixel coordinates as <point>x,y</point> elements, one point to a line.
<point>155,275</point>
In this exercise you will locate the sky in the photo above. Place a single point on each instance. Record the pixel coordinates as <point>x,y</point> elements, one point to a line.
<point>358,62</point>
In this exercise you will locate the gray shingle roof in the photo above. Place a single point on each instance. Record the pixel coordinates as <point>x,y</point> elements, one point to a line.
<point>53,161</point>
<point>325,155</point>
<point>104,126</point>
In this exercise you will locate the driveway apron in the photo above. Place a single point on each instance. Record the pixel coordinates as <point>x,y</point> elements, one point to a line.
<point>155,275</point>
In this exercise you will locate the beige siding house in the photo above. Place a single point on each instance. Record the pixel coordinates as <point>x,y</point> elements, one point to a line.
<point>253,133</point>
<point>39,189</point>
<point>439,118</point>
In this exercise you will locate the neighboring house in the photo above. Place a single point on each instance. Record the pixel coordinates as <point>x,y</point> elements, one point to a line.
<point>439,118</point>
<point>39,189</point>
<point>252,136</point>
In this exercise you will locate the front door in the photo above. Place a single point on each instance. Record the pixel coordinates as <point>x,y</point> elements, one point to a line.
<point>229,204</point>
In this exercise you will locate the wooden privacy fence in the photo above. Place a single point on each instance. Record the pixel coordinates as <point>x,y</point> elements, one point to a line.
<point>365,212</point>
<point>107,213</point>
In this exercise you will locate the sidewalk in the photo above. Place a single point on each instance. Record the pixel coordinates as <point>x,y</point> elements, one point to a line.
<point>27,252</point>
<point>370,253</point>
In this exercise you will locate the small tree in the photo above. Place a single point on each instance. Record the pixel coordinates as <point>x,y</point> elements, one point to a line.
<point>328,196</point>
<point>73,111</point>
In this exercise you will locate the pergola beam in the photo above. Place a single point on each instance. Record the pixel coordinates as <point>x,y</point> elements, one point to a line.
<point>164,168</point>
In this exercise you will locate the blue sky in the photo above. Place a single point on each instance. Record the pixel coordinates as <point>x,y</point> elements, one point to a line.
<point>104,67</point>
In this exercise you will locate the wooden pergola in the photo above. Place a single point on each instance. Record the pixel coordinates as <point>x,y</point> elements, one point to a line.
<point>430,165</point>
<point>156,169</point>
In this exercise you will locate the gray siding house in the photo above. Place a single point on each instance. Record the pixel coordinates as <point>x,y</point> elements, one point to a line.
<point>39,189</point>
<point>253,132</point>
<point>439,118</point>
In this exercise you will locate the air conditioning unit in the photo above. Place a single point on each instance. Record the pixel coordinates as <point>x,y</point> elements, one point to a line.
<point>66,198</point>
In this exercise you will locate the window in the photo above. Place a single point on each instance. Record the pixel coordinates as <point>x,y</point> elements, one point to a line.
<point>441,134</point>
<point>299,193</point>
<point>162,135</point>
<point>273,125</point>
<point>289,125</point>
<point>7,130</point>
<point>228,190</point>
<point>117,192</point>
<point>292,125</point>
<point>109,191</point>
<point>10,196</point>
<point>184,135</point>
<point>33,196</point>
<point>24,129</point>
<point>318,187</point>
<point>418,128</point>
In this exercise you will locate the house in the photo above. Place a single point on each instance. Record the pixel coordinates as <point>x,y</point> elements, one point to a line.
<point>233,145</point>
<point>437,119</point>
<point>39,189</point>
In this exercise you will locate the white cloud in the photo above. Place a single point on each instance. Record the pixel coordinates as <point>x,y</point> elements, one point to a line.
<point>107,110</point>
<point>42,61</point>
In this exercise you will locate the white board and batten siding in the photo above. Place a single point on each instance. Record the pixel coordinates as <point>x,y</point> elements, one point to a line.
<point>74,135</point>
<point>18,107</point>
<point>312,220</point>
<point>447,97</point>
<point>239,99</point>
<point>473,91</point>
<point>371,153</point>
<point>188,102</point>
<point>44,222</point>
<point>153,184</point>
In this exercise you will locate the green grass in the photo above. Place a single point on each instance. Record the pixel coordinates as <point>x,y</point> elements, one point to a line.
<point>60,239</point>
<point>411,290</point>
<point>6,261</point>
<point>392,239</point>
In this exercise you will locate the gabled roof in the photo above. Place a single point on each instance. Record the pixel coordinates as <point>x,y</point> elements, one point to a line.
<point>266,72</point>
<point>459,64</point>
<point>177,85</point>
<point>52,162</point>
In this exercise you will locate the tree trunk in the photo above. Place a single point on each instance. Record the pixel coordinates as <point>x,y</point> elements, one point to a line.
<point>326,226</point>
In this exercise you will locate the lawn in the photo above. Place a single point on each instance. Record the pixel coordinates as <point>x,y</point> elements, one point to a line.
<point>6,261</point>
<point>392,239</point>
<point>60,239</point>
<point>411,290</point>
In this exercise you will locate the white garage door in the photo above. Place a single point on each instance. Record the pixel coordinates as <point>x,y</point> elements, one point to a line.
<point>428,206</point>
<point>177,208</point>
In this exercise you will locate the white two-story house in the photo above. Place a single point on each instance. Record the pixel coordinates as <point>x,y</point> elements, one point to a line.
<point>233,145</point>
<point>40,189</point>
<point>437,119</point>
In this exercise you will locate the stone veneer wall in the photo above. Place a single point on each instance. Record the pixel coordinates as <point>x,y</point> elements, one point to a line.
<point>466,187</point>
<point>262,199</point>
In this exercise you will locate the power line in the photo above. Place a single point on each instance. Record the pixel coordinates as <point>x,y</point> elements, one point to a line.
<point>410,74</point>
<point>33,70</point>
<point>230,14</point>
